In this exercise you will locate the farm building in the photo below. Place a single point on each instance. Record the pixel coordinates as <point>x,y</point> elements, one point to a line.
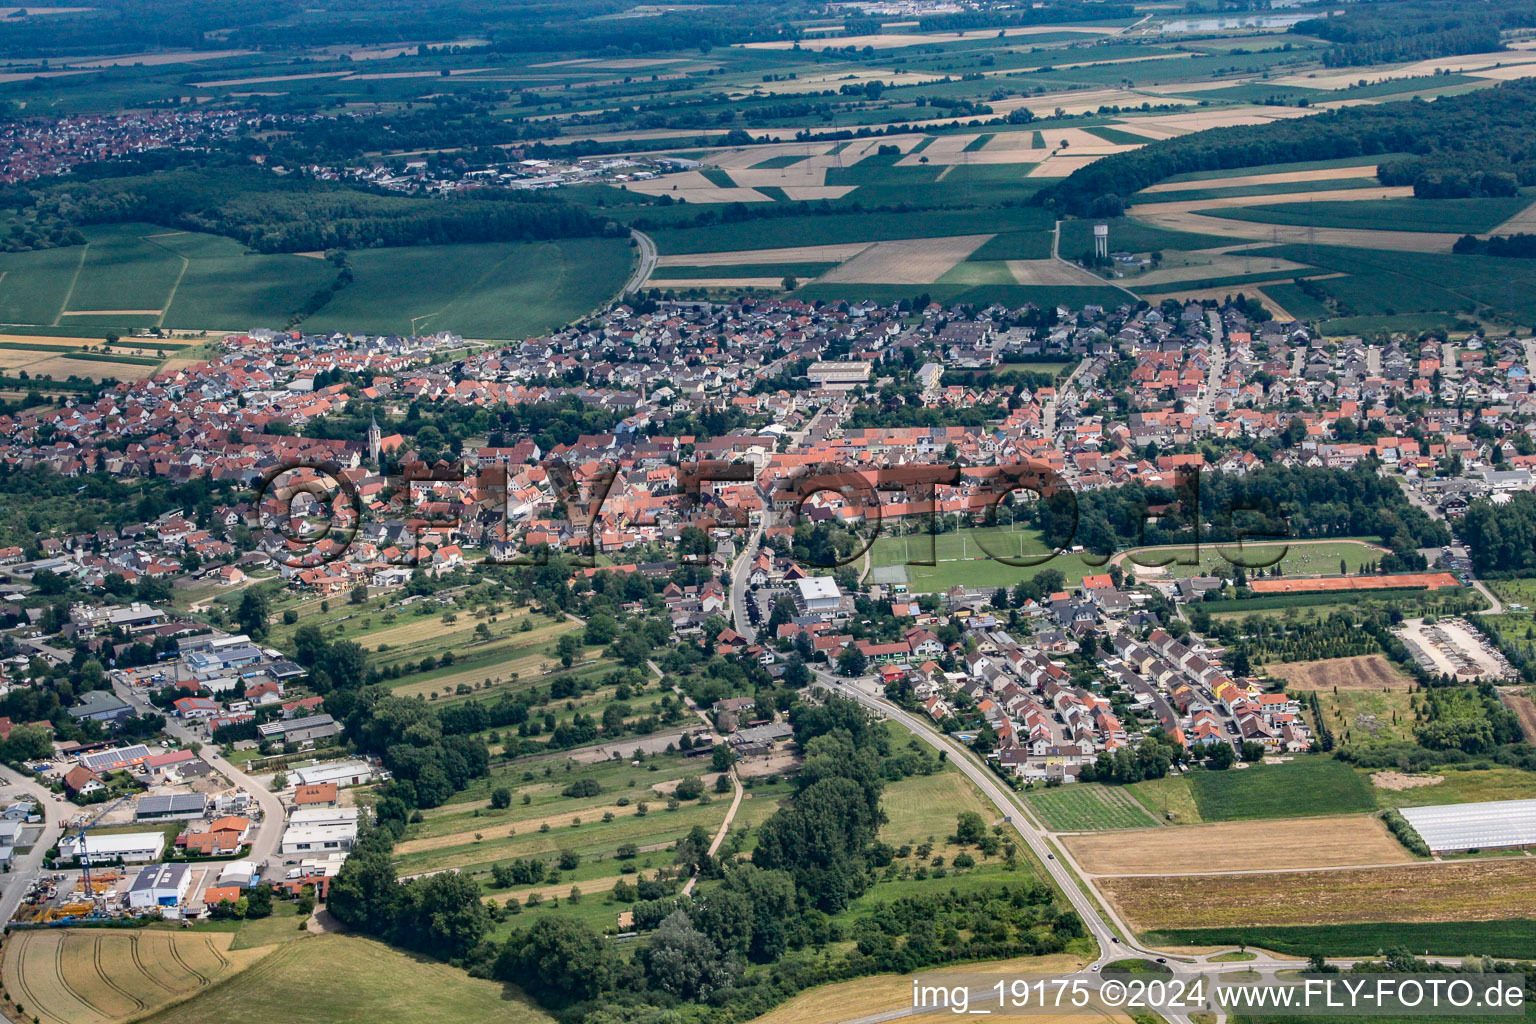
<point>130,848</point>
<point>1491,825</point>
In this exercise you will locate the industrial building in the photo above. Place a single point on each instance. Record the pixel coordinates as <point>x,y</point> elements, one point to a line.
<point>130,848</point>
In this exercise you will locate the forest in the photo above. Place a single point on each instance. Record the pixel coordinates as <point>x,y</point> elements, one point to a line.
<point>1501,538</point>
<point>536,26</point>
<point>1490,129</point>
<point>1385,31</point>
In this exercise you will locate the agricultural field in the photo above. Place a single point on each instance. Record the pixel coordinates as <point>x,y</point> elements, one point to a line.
<point>1316,785</point>
<point>1086,807</point>
<point>1296,558</point>
<point>144,275</point>
<point>339,979</point>
<point>1486,890</point>
<point>93,976</point>
<point>494,291</point>
<point>589,810</point>
<point>1287,844</point>
<point>889,992</point>
<point>1515,938</point>
<point>969,557</point>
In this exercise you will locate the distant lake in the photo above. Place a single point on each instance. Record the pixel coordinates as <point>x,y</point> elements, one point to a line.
<point>1237,21</point>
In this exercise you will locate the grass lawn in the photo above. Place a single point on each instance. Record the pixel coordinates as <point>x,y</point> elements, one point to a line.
<point>340,979</point>
<point>1365,716</point>
<point>281,926</point>
<point>1086,807</point>
<point>927,805</point>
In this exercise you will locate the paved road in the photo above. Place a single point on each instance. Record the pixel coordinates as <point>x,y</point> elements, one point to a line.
<point>269,833</point>
<point>1495,606</point>
<point>1099,919</point>
<point>1111,946</point>
<point>647,265</point>
<point>740,570</point>
<point>26,867</point>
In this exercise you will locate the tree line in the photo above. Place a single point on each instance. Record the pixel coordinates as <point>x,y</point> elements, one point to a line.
<point>296,214</point>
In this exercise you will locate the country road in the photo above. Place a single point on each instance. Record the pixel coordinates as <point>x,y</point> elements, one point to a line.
<point>1095,919</point>
<point>647,265</point>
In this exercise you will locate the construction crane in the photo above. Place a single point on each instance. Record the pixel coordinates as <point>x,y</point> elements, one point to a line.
<point>79,835</point>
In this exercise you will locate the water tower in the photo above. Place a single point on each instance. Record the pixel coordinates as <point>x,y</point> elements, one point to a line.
<point>1101,241</point>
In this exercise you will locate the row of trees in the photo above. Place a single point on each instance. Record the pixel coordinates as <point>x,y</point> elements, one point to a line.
<point>1276,501</point>
<point>302,215</point>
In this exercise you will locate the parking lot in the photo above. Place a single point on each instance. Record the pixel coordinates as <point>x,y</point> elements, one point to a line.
<point>1452,647</point>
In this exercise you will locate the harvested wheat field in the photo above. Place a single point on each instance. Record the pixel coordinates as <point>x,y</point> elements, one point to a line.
<point>1052,272</point>
<point>834,253</point>
<point>1491,890</point>
<point>864,996</point>
<point>1277,178</point>
<point>906,261</point>
<point>663,281</point>
<point>1290,844</point>
<point>93,976</point>
<point>1366,672</point>
<point>61,368</point>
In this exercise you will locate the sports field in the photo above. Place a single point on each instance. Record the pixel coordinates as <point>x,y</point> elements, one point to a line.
<point>1295,558</point>
<point>969,558</point>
